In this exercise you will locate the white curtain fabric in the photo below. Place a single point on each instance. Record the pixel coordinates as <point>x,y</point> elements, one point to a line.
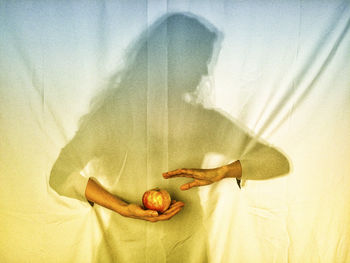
<point>125,90</point>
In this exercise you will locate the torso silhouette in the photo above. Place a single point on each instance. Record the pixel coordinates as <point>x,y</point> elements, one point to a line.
<point>125,156</point>
<point>115,142</point>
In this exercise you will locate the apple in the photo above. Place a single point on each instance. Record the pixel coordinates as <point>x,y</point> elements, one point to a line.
<point>156,199</point>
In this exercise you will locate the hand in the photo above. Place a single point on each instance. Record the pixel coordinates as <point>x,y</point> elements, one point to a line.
<point>136,211</point>
<point>206,176</point>
<point>201,176</point>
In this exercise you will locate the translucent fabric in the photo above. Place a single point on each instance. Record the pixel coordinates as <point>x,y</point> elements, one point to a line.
<point>124,91</point>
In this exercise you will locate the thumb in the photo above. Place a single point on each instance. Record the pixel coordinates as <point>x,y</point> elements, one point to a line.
<point>194,183</point>
<point>188,185</point>
<point>151,213</point>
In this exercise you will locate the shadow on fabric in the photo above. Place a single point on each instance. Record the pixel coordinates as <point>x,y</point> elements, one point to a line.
<point>143,124</point>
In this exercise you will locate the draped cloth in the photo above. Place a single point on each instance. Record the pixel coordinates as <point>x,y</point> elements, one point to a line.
<point>124,91</point>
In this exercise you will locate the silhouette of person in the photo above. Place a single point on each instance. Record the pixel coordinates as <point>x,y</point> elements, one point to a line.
<point>141,126</point>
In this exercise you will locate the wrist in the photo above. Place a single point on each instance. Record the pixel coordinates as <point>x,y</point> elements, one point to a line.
<point>119,206</point>
<point>234,170</point>
<point>95,193</point>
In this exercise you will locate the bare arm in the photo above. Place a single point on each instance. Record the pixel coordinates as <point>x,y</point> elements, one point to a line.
<point>97,194</point>
<point>66,179</point>
<point>256,160</point>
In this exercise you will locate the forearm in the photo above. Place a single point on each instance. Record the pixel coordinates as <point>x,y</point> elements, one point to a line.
<point>97,194</point>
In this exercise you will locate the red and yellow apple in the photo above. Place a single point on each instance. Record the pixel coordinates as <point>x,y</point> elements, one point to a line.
<point>156,199</point>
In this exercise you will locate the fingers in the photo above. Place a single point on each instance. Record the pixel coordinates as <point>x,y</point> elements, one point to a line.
<point>175,204</point>
<point>176,208</point>
<point>180,173</point>
<point>173,210</point>
<point>194,183</point>
<point>167,216</point>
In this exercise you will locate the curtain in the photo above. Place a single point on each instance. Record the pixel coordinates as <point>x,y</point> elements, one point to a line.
<point>122,91</point>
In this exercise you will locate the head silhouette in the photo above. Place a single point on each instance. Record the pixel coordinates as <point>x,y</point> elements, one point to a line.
<point>179,46</point>
<point>172,54</point>
<point>190,49</point>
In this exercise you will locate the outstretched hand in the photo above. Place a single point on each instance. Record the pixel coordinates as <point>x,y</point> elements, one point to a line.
<point>138,212</point>
<point>201,176</point>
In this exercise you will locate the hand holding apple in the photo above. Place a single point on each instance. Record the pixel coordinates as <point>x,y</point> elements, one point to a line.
<point>138,212</point>
<point>156,199</point>
<point>158,204</point>
<point>96,193</point>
